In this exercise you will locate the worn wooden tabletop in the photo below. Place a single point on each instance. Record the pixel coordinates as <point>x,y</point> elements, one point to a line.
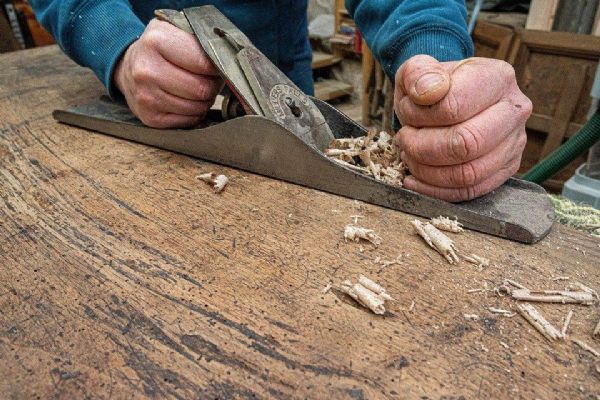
<point>121,276</point>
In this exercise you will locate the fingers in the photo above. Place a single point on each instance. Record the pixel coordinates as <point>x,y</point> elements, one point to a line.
<point>475,84</point>
<point>467,192</point>
<point>162,121</point>
<point>423,80</point>
<point>468,140</point>
<point>163,102</point>
<point>473,172</point>
<point>181,83</point>
<point>179,48</point>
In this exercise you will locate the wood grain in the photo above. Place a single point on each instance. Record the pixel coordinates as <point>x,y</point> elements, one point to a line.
<point>541,14</point>
<point>123,277</point>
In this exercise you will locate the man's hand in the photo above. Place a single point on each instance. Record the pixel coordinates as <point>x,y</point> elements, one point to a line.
<point>167,79</point>
<point>463,125</point>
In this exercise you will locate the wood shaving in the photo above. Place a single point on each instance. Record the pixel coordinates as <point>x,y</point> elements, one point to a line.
<point>597,330</point>
<point>561,278</point>
<point>540,323</point>
<point>366,297</point>
<point>437,240</point>
<point>500,311</point>
<point>412,306</point>
<point>477,260</point>
<point>374,287</point>
<point>553,296</point>
<point>471,317</point>
<point>587,289</point>
<point>387,263</point>
<point>586,347</point>
<point>447,224</point>
<point>327,288</point>
<point>355,218</point>
<point>514,283</point>
<point>356,233</point>
<point>218,182</point>
<point>374,155</point>
<point>504,345</point>
<point>565,327</point>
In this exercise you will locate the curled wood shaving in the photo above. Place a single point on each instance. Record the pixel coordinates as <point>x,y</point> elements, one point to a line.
<point>586,347</point>
<point>587,289</point>
<point>437,240</point>
<point>355,233</point>
<point>565,327</point>
<point>327,288</point>
<point>553,296</point>
<point>218,182</point>
<point>477,260</point>
<point>374,155</point>
<point>447,224</point>
<point>597,330</point>
<point>365,296</point>
<point>540,323</point>
<point>374,287</point>
<point>471,317</point>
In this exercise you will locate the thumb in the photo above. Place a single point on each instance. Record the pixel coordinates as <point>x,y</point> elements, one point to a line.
<point>424,80</point>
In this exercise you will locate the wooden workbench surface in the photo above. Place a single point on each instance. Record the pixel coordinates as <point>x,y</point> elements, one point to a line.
<point>122,276</point>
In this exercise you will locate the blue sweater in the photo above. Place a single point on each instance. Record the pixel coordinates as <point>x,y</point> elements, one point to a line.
<point>95,33</point>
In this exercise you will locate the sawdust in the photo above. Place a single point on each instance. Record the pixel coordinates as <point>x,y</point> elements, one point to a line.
<point>374,155</point>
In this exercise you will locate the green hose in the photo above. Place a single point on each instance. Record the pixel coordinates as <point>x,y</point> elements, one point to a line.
<point>565,154</point>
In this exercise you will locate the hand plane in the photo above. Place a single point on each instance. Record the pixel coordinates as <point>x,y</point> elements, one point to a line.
<point>283,134</point>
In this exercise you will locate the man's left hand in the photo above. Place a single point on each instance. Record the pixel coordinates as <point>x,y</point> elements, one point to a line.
<point>463,125</point>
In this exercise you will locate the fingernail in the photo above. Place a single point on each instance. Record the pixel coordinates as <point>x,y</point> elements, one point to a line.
<point>428,82</point>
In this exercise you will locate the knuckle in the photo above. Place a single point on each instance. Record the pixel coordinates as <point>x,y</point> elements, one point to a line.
<point>152,36</point>
<point>451,107</point>
<point>466,175</point>
<point>526,106</point>
<point>141,73</point>
<point>144,99</point>
<point>507,71</point>
<point>463,143</point>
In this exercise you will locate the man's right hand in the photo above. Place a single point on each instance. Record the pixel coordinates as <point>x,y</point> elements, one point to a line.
<point>166,77</point>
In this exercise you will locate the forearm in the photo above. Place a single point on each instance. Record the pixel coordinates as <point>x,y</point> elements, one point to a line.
<point>93,33</point>
<point>396,30</point>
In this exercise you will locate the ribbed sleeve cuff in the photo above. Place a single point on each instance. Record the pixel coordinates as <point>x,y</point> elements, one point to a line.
<point>100,34</point>
<point>438,42</point>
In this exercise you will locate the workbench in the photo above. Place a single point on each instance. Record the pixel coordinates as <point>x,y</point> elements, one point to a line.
<point>123,276</point>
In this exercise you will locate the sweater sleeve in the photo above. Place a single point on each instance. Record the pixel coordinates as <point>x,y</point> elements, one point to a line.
<point>93,33</point>
<point>396,30</point>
